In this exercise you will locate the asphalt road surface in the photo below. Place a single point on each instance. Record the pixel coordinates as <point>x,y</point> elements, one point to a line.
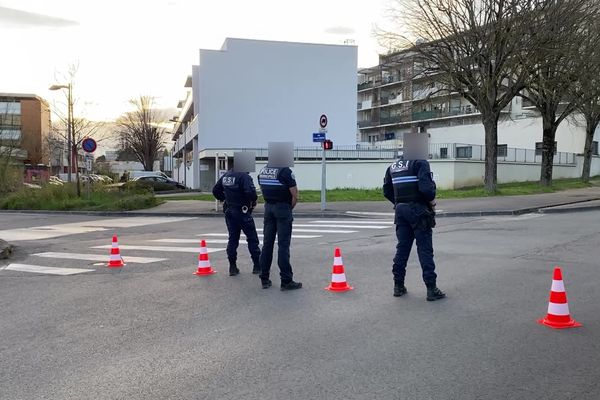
<point>73,329</point>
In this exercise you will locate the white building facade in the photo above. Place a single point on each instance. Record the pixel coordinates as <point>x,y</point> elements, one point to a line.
<point>252,92</point>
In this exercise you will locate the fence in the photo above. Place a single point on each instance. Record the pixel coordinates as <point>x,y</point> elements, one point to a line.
<point>457,151</point>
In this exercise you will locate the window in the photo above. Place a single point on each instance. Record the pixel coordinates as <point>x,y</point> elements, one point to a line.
<point>539,146</point>
<point>502,150</point>
<point>594,148</point>
<point>390,136</point>
<point>444,152</point>
<point>464,152</point>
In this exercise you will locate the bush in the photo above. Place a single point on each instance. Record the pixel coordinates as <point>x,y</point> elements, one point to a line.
<point>65,198</point>
<point>148,186</point>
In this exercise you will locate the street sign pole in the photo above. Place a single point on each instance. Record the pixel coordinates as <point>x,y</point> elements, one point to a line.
<point>323,179</point>
<point>323,124</point>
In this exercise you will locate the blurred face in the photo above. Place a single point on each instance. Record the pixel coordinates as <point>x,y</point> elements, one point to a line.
<point>281,154</point>
<point>416,146</point>
<point>244,161</point>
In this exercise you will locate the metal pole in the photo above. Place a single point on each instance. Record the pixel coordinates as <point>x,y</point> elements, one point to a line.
<point>216,178</point>
<point>323,179</point>
<point>70,131</point>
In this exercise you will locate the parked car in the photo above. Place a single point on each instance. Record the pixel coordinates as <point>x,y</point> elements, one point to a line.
<point>137,174</point>
<point>55,180</point>
<point>159,181</point>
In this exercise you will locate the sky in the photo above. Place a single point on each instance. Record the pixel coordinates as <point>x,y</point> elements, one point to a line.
<point>127,48</point>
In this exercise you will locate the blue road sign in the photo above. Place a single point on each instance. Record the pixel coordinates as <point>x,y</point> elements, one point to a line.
<point>319,137</point>
<point>89,145</point>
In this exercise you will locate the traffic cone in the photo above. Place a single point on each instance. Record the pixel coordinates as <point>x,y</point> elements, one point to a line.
<point>338,276</point>
<point>204,267</point>
<point>558,316</point>
<point>115,261</point>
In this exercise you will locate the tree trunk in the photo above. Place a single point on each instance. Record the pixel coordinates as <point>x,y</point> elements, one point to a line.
<point>491,154</point>
<point>590,129</point>
<point>75,164</point>
<point>548,148</point>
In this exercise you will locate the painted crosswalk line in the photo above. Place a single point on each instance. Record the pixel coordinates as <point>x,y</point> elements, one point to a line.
<point>340,226</point>
<point>77,228</point>
<point>260,235</point>
<point>372,213</point>
<point>355,221</point>
<point>39,269</point>
<point>172,249</point>
<point>317,230</point>
<point>96,257</point>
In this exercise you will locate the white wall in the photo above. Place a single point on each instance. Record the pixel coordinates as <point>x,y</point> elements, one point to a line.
<point>448,174</point>
<point>252,92</point>
<point>520,133</point>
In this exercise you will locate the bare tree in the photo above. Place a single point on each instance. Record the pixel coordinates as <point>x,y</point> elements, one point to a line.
<point>560,31</point>
<point>140,131</point>
<point>80,129</point>
<point>478,48</point>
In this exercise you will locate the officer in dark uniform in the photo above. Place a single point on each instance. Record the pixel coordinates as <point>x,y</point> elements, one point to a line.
<point>409,185</point>
<point>237,191</point>
<point>280,192</point>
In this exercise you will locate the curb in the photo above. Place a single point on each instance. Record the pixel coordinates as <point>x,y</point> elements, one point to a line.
<point>552,210</point>
<point>317,214</point>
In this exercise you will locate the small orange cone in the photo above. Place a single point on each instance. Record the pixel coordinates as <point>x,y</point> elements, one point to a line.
<point>338,276</point>
<point>204,267</point>
<point>558,316</point>
<point>115,261</point>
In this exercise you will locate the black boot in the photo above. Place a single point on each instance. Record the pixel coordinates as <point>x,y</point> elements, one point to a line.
<point>266,283</point>
<point>233,269</point>
<point>399,289</point>
<point>291,285</point>
<point>256,269</point>
<point>433,293</point>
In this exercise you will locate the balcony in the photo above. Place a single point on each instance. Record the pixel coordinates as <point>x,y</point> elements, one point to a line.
<point>396,119</point>
<point>452,112</point>
<point>368,123</point>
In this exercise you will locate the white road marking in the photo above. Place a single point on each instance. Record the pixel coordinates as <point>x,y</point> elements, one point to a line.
<point>97,257</point>
<point>172,249</point>
<point>355,221</point>
<point>317,230</point>
<point>340,226</point>
<point>44,232</point>
<point>260,235</point>
<point>383,214</point>
<point>129,222</point>
<point>77,228</point>
<point>38,269</point>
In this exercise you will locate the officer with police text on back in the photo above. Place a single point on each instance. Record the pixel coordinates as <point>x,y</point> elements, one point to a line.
<point>409,185</point>
<point>237,191</point>
<point>280,192</point>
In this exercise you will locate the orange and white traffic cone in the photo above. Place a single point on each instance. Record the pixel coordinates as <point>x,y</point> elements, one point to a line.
<point>115,261</point>
<point>558,316</point>
<point>204,267</point>
<point>338,276</point>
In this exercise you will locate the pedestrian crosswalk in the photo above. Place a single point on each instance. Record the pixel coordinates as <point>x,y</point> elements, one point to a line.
<point>72,263</point>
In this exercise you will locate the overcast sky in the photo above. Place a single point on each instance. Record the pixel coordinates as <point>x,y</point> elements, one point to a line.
<point>129,47</point>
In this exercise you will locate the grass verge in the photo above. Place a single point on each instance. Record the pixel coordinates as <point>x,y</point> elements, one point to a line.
<point>64,198</point>
<point>505,189</point>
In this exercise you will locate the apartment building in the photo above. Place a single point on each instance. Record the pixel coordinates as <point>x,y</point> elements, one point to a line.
<point>396,97</point>
<point>25,125</point>
<point>252,92</point>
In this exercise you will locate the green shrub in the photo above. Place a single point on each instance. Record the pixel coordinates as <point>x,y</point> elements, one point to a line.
<point>65,198</point>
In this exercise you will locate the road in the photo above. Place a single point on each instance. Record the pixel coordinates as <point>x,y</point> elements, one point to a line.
<point>153,330</point>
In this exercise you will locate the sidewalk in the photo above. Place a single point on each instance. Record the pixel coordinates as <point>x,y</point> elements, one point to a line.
<point>565,201</point>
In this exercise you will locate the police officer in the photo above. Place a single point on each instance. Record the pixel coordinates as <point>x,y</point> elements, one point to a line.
<point>409,185</point>
<point>237,191</point>
<point>278,186</point>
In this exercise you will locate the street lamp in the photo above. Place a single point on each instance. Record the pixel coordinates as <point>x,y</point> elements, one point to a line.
<point>70,132</point>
